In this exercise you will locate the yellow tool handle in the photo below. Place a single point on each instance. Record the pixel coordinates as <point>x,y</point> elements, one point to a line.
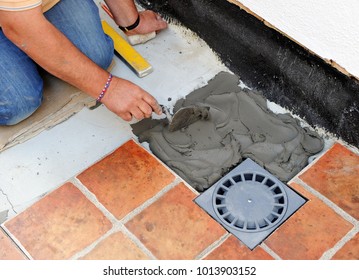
<point>127,52</point>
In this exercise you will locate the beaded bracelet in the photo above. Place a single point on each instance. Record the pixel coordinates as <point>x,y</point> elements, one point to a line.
<point>102,94</point>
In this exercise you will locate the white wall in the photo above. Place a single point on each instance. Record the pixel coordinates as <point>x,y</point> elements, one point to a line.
<point>329,28</point>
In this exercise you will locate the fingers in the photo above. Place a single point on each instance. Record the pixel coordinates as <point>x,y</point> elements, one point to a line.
<point>161,23</point>
<point>144,110</point>
<point>152,102</point>
<point>128,100</point>
<point>125,116</point>
<point>150,21</point>
<point>137,113</point>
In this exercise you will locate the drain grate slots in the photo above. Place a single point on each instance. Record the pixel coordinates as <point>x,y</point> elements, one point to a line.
<point>250,202</point>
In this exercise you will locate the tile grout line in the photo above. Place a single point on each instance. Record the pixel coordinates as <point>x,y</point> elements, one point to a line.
<point>148,150</point>
<point>137,242</point>
<point>267,249</point>
<point>120,224</point>
<point>213,246</point>
<point>221,240</point>
<point>151,200</point>
<point>117,225</point>
<point>332,251</point>
<point>347,237</point>
<point>93,245</point>
<point>327,201</point>
<point>177,181</point>
<point>93,199</point>
<point>17,242</point>
<point>312,163</point>
<point>177,177</point>
<point>147,203</point>
<point>351,234</point>
<point>320,155</point>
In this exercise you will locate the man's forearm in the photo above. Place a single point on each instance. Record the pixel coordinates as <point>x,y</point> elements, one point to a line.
<point>124,11</point>
<point>49,48</point>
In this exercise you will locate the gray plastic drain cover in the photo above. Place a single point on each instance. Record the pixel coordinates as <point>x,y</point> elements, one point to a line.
<point>250,202</point>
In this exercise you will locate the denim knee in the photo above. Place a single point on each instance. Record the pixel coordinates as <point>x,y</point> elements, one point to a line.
<point>80,22</point>
<point>102,54</point>
<point>18,104</point>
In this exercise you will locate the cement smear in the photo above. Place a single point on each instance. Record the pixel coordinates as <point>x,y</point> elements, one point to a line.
<point>240,126</point>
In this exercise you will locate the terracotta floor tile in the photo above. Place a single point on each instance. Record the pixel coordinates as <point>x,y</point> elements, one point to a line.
<point>311,231</point>
<point>8,249</point>
<point>350,251</point>
<point>126,178</point>
<point>116,247</point>
<point>335,175</point>
<point>174,227</point>
<point>59,225</point>
<point>233,249</point>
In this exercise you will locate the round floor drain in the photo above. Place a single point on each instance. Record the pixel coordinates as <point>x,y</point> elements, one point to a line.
<point>250,201</point>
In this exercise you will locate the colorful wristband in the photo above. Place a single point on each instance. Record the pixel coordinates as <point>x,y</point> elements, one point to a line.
<point>102,94</point>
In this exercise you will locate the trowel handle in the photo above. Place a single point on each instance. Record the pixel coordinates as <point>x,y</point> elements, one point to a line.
<point>167,113</point>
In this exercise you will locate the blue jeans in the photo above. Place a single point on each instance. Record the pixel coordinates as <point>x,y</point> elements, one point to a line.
<point>21,85</point>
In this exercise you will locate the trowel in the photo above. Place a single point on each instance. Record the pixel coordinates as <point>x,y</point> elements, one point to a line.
<point>185,116</point>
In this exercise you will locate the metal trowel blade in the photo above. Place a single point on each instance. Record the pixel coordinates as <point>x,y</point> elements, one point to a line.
<point>188,115</point>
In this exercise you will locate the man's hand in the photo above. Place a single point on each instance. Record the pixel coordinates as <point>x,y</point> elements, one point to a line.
<point>128,100</point>
<point>149,22</point>
<point>125,14</point>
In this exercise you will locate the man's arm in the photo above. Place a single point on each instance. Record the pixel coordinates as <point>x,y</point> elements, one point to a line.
<point>49,48</point>
<point>125,14</point>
